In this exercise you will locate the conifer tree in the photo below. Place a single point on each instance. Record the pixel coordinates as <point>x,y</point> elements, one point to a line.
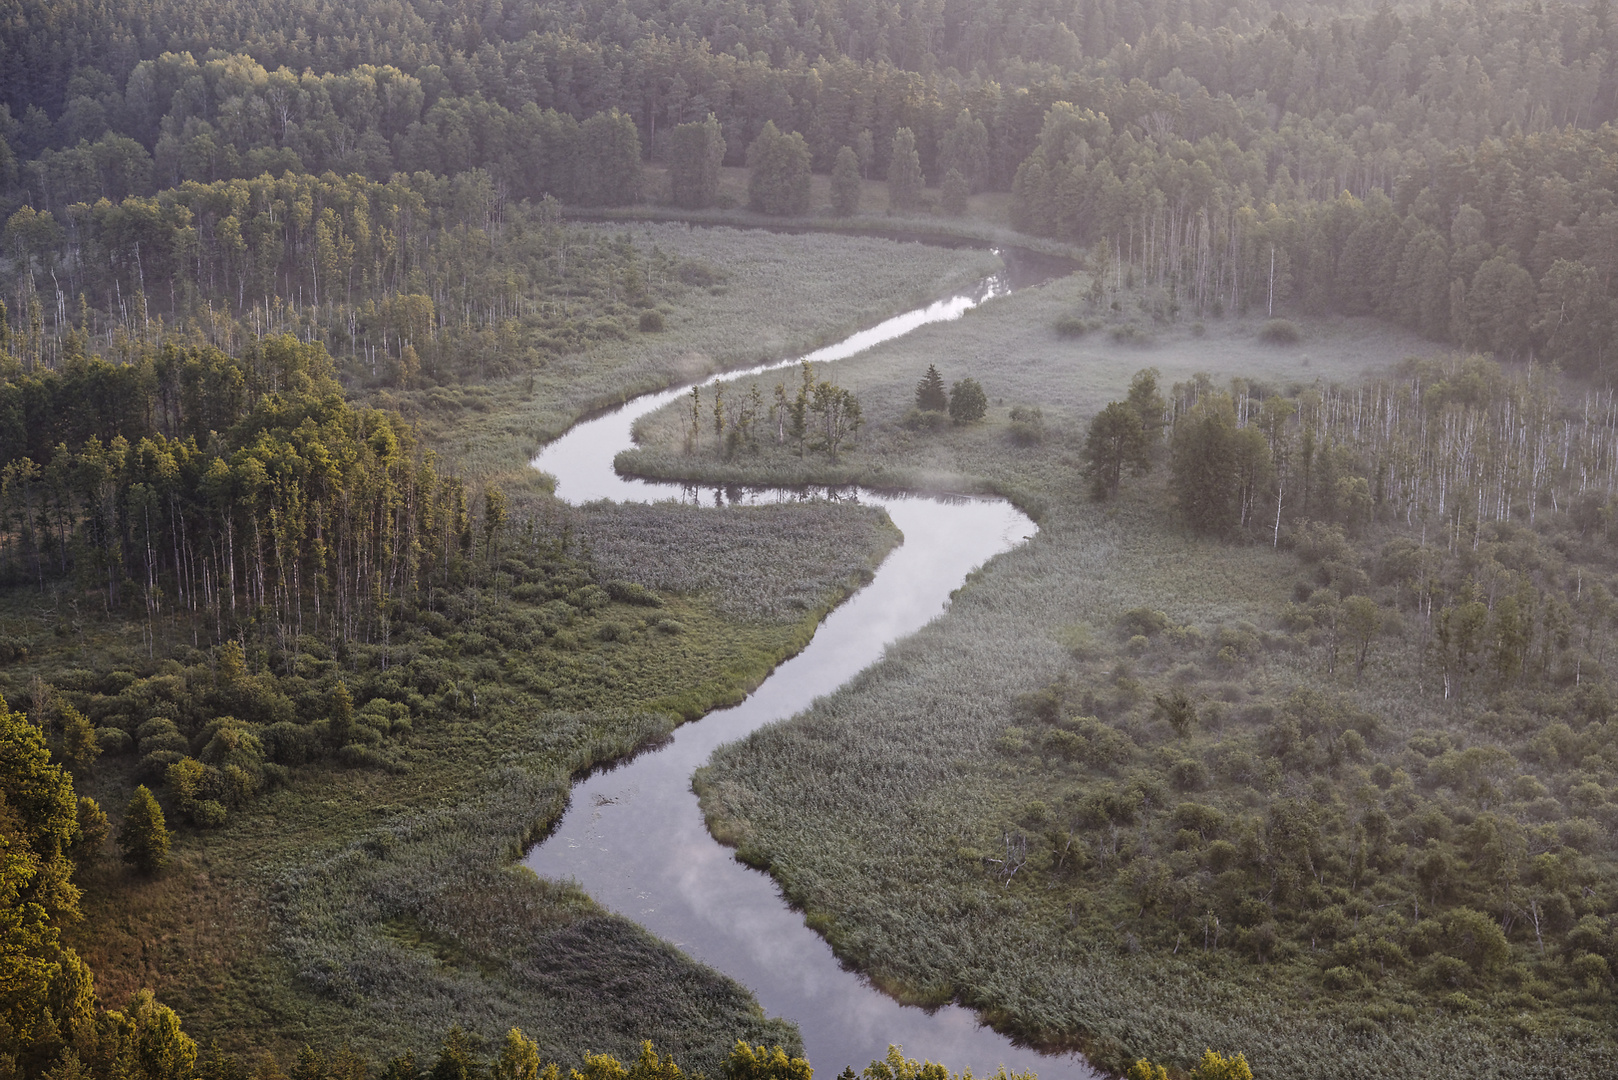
<point>930,393</point>
<point>144,836</point>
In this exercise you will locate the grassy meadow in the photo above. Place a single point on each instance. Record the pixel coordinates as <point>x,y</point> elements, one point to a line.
<point>747,296</point>
<point>934,829</point>
<point>1011,346</point>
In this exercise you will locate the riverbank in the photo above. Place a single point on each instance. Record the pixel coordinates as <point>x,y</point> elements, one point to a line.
<point>378,902</point>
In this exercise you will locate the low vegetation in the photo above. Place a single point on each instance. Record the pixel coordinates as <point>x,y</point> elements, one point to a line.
<point>332,686</point>
<point>1341,784</point>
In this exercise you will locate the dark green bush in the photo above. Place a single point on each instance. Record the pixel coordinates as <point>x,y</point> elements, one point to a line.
<point>1280,332</point>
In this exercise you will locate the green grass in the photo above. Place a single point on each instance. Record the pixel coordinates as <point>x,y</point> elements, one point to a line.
<point>1013,347</point>
<point>770,297</point>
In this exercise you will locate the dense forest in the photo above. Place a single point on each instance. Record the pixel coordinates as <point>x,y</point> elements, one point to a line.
<point>1446,168</point>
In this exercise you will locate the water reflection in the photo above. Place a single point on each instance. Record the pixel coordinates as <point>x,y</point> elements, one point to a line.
<point>633,836</point>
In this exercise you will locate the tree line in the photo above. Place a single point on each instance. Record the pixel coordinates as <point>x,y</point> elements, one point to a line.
<point>418,278</point>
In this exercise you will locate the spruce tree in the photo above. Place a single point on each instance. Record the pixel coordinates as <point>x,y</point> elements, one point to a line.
<point>845,183</point>
<point>930,393</point>
<point>144,836</point>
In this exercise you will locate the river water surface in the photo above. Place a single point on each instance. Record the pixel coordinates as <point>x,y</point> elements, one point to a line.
<point>633,836</point>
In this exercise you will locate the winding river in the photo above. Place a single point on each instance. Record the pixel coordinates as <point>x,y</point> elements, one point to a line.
<point>633,836</point>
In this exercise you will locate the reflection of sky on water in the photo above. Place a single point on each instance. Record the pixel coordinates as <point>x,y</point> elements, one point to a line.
<point>633,836</point>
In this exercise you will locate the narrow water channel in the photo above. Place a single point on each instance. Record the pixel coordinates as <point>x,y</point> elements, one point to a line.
<point>633,836</point>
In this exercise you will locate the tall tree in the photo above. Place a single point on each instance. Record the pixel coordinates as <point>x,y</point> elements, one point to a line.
<point>953,193</point>
<point>904,174</point>
<point>930,393</point>
<point>1204,465</point>
<point>967,402</point>
<point>845,184</point>
<point>779,182</point>
<point>1117,440</point>
<point>609,172</point>
<point>696,151</point>
<point>144,835</point>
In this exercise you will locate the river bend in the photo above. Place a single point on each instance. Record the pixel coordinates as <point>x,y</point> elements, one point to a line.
<point>633,836</point>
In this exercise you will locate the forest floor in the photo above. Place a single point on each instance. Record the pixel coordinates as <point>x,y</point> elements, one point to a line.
<point>377,906</point>
<point>896,847</point>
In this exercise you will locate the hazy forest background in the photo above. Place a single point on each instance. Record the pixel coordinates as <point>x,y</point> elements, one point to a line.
<point>1299,704</point>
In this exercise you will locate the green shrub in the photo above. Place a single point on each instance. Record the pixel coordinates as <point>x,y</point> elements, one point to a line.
<point>208,814</point>
<point>1072,326</point>
<point>1280,332</point>
<point>925,420</point>
<point>154,767</point>
<point>628,592</point>
<point>651,322</point>
<point>968,404</point>
<point>114,742</point>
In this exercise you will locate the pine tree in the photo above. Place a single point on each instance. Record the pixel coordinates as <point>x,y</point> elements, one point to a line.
<point>845,183</point>
<point>144,837</point>
<point>930,393</point>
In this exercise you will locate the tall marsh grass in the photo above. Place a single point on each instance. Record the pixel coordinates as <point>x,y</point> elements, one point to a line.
<point>881,810</point>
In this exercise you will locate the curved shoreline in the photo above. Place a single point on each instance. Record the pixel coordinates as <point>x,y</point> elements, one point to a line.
<point>635,837</point>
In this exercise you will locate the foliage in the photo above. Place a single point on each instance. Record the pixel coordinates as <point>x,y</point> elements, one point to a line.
<point>46,994</point>
<point>1280,332</point>
<point>968,404</point>
<point>930,393</point>
<point>1204,464</point>
<point>846,183</point>
<point>760,1063</point>
<point>954,192</point>
<point>696,152</point>
<point>904,174</point>
<point>778,180</point>
<point>143,834</point>
<point>1116,440</point>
